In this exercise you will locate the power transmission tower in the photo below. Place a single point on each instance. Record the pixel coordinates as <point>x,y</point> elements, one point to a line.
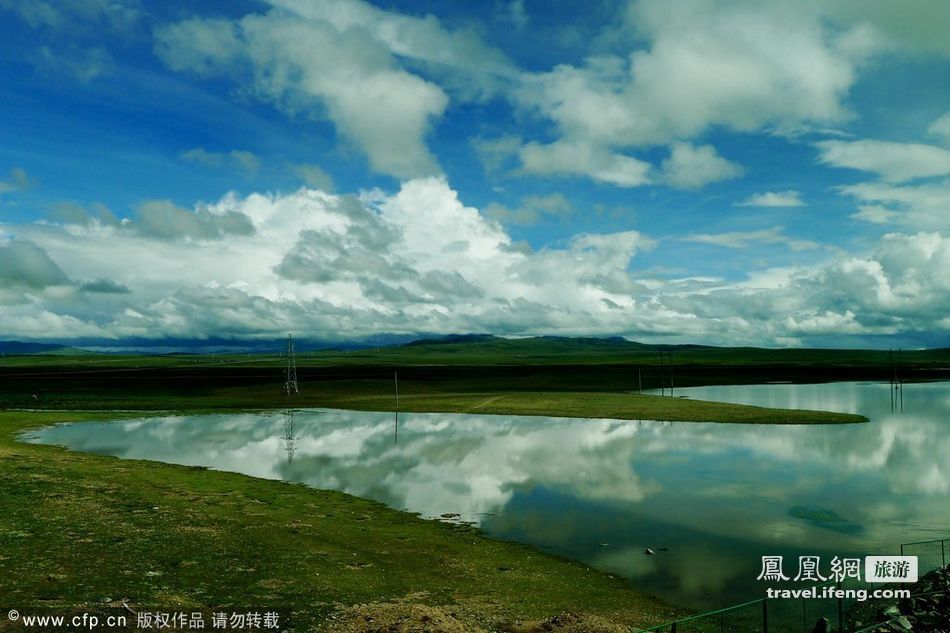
<point>290,434</point>
<point>290,384</point>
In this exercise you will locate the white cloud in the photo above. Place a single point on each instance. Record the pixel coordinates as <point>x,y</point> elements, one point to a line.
<point>568,158</point>
<point>917,206</point>
<point>341,59</point>
<point>306,64</point>
<point>875,214</point>
<point>941,128</point>
<point>494,153</point>
<point>335,266</point>
<point>315,176</point>
<point>517,14</point>
<point>922,30</point>
<point>532,209</point>
<point>901,287</point>
<point>242,160</point>
<point>744,239</point>
<point>83,64</point>
<point>24,264</point>
<point>894,162</point>
<point>743,66</point>
<point>344,267</point>
<point>424,40</point>
<point>75,214</point>
<point>788,198</point>
<point>82,16</point>
<point>161,219</point>
<point>691,167</point>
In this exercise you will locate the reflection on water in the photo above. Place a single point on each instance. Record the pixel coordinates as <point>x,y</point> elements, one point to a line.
<point>716,496</point>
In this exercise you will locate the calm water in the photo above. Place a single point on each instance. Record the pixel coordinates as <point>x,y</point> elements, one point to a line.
<point>717,497</point>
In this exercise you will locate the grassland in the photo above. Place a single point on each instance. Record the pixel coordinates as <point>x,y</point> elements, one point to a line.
<point>551,391</point>
<point>89,532</point>
<point>85,532</point>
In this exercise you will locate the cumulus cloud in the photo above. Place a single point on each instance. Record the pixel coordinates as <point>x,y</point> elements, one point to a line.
<point>692,167</point>
<point>24,264</point>
<point>894,162</point>
<point>419,260</point>
<point>339,266</point>
<point>242,160</point>
<point>901,287</point>
<point>76,214</point>
<point>694,66</point>
<point>788,198</point>
<point>597,162</point>
<point>163,220</point>
<point>339,59</point>
<point>739,65</point>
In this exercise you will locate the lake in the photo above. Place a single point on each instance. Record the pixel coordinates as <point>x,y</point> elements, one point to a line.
<point>709,499</point>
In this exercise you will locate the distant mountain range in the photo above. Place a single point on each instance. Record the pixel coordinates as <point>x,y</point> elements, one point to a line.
<point>19,347</point>
<point>442,348</point>
<point>224,346</point>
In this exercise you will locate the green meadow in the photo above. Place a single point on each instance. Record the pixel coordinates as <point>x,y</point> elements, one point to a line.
<point>88,532</point>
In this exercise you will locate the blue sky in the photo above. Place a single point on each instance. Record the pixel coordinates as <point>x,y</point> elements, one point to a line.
<point>717,171</point>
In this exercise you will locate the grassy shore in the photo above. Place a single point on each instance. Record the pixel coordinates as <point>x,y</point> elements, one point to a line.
<point>568,393</point>
<point>81,531</point>
<point>89,532</point>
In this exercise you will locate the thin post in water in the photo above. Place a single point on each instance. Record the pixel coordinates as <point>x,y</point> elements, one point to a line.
<point>396,424</point>
<point>900,377</point>
<point>891,387</point>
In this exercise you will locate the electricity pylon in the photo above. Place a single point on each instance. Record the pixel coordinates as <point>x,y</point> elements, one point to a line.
<point>290,434</point>
<point>290,384</point>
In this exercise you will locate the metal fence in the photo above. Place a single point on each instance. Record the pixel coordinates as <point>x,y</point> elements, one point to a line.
<point>930,555</point>
<point>780,615</point>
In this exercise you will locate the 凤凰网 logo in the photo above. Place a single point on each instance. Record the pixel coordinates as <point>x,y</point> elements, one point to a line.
<point>876,569</point>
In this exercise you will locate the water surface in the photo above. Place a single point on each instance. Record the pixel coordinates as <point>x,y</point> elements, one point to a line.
<point>710,499</point>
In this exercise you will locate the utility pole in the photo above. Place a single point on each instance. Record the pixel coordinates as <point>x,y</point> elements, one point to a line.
<point>670,356</point>
<point>290,382</point>
<point>892,375</point>
<point>900,377</point>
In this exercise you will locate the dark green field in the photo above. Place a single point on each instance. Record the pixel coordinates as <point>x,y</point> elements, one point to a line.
<point>545,376</point>
<point>586,392</point>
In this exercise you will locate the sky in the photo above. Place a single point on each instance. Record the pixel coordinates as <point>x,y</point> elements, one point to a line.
<point>727,172</point>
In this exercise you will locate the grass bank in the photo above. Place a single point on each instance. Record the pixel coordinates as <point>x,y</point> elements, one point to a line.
<point>88,532</point>
<point>564,392</point>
